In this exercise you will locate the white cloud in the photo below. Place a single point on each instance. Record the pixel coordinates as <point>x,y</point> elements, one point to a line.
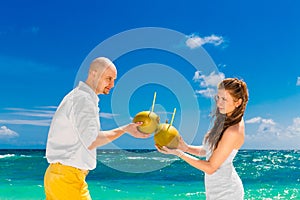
<point>35,117</point>
<point>6,133</point>
<point>298,81</point>
<point>42,109</point>
<point>108,115</point>
<point>253,120</point>
<point>260,120</point>
<point>30,114</point>
<point>294,129</point>
<point>270,135</point>
<point>47,107</point>
<point>38,117</point>
<point>197,76</point>
<point>213,79</point>
<point>34,122</point>
<point>47,112</point>
<point>208,92</point>
<point>195,41</point>
<point>208,83</point>
<point>266,126</point>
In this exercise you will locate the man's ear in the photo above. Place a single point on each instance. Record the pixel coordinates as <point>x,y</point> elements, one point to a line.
<point>94,72</point>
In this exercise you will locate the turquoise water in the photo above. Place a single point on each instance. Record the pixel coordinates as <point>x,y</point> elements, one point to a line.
<point>265,174</point>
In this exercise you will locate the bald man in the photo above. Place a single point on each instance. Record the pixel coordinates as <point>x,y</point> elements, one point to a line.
<point>74,134</point>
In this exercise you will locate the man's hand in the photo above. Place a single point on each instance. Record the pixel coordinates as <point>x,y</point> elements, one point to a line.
<point>133,131</point>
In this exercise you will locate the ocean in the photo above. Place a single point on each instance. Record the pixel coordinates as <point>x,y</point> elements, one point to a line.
<point>149,175</point>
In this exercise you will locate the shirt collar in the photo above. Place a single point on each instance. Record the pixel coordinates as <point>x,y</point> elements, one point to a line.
<point>85,87</point>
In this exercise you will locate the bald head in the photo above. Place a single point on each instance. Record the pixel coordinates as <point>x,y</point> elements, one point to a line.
<point>100,64</point>
<point>102,74</point>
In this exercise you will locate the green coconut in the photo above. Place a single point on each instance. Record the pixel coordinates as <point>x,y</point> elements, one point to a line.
<point>167,135</point>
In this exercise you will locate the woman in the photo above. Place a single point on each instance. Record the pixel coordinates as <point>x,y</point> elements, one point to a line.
<point>221,143</point>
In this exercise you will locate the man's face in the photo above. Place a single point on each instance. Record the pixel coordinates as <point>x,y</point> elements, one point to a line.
<point>106,81</point>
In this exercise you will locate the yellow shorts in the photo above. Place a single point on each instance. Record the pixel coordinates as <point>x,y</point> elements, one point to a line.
<point>63,182</point>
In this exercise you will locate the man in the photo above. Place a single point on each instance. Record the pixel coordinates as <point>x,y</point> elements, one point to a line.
<point>75,134</point>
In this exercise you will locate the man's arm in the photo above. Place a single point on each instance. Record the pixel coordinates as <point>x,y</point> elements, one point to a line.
<point>105,137</point>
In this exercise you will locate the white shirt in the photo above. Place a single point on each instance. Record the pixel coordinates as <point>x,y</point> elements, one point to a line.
<point>75,125</point>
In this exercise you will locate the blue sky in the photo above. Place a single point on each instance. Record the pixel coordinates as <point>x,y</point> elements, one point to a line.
<point>43,45</point>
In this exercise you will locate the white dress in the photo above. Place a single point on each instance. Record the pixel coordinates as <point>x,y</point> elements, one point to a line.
<point>223,184</point>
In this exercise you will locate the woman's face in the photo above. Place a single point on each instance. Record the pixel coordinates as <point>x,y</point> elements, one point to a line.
<point>225,103</point>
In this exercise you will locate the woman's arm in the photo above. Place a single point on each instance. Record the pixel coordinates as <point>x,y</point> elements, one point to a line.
<point>219,155</point>
<point>191,149</point>
<point>196,150</point>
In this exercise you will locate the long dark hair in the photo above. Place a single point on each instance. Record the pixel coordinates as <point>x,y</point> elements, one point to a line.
<point>238,90</point>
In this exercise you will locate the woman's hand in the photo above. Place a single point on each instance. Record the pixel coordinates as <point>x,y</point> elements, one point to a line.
<point>166,150</point>
<point>182,145</point>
